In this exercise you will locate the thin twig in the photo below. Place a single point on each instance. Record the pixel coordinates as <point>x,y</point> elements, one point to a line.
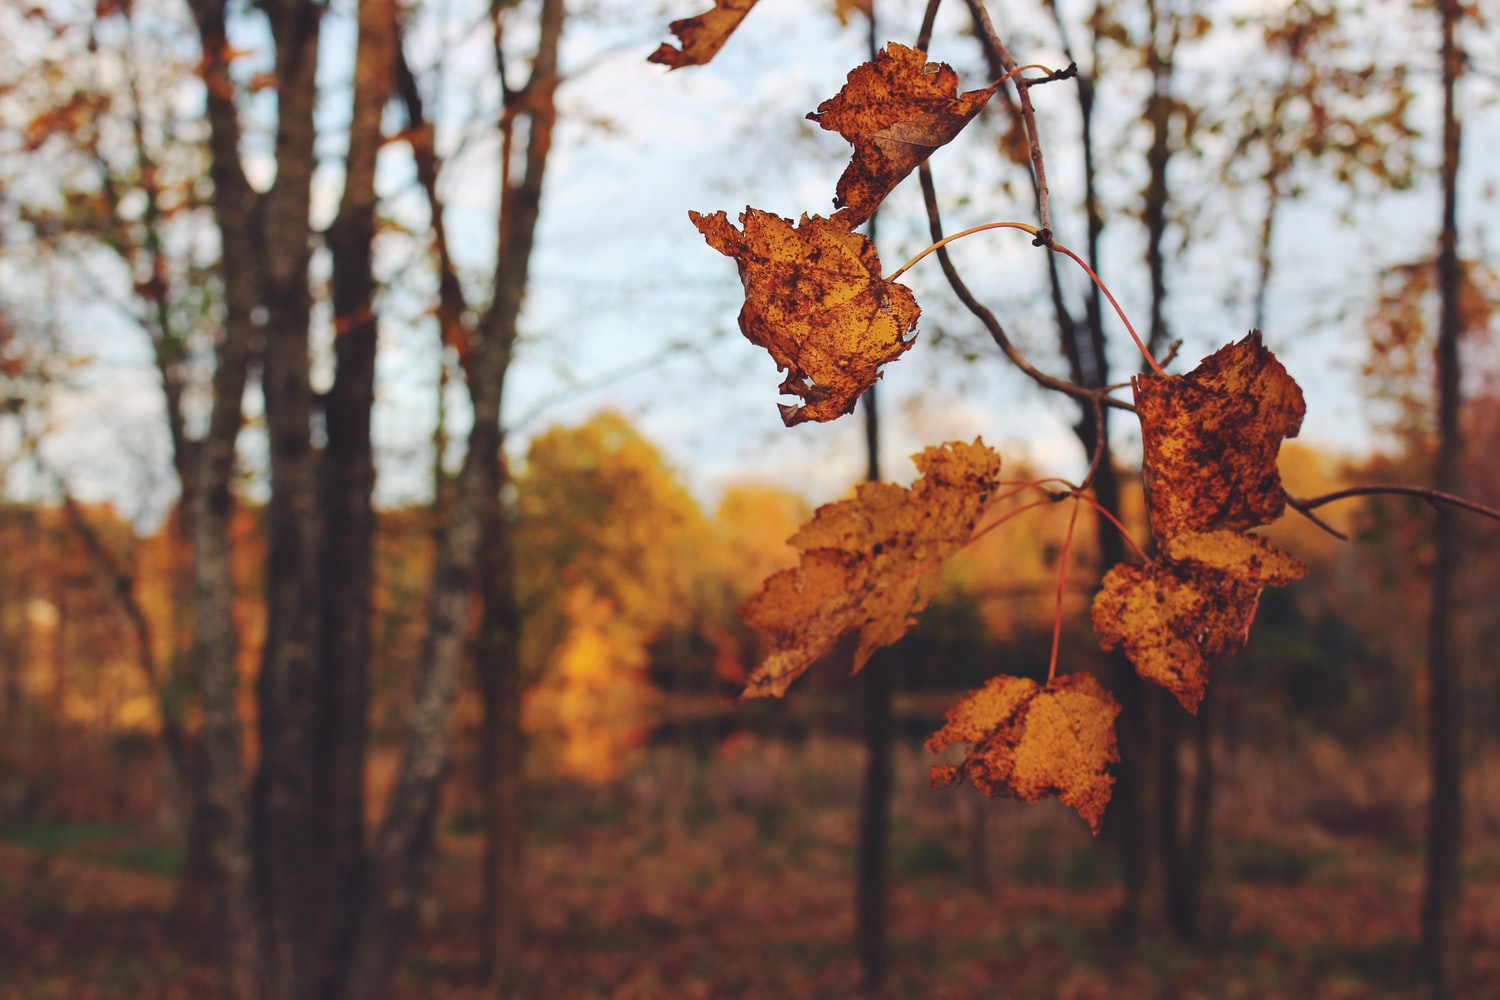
<point>988,318</point>
<point>1433,497</point>
<point>939,242</point>
<point>929,18</point>
<point>1315,519</point>
<point>1062,581</point>
<point>1028,118</point>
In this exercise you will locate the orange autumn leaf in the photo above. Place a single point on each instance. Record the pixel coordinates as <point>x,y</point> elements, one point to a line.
<point>1176,618</point>
<point>1030,742</point>
<point>868,564</point>
<point>703,35</point>
<point>1211,439</point>
<point>814,298</point>
<point>895,111</point>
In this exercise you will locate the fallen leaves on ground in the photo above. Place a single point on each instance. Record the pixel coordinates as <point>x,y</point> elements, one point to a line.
<point>1031,742</point>
<point>895,111</point>
<point>814,299</point>
<point>702,35</point>
<point>868,564</point>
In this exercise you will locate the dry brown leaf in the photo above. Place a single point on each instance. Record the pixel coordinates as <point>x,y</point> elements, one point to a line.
<point>1247,558</point>
<point>1031,742</point>
<point>814,298</point>
<point>895,111</point>
<point>1211,438</point>
<point>703,35</point>
<point>1176,618</point>
<point>868,564</point>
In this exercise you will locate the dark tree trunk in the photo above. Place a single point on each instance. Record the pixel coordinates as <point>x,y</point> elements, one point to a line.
<point>498,663</point>
<point>237,214</point>
<point>1441,892</point>
<point>285,808</point>
<point>872,862</point>
<point>348,484</point>
<point>402,844</point>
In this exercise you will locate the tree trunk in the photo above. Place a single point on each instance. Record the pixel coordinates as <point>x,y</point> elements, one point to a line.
<point>406,833</point>
<point>348,484</point>
<point>1441,892</point>
<point>285,808</point>
<point>236,211</point>
<point>872,862</point>
<point>498,663</point>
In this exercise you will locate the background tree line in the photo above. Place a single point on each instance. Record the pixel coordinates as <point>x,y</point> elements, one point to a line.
<point>167,162</point>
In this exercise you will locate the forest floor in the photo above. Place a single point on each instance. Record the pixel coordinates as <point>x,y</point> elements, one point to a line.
<point>731,876</point>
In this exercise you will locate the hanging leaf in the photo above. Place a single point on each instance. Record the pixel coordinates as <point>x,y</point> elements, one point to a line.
<point>703,35</point>
<point>1177,617</point>
<point>895,111</point>
<point>1211,438</point>
<point>868,564</point>
<point>1031,742</point>
<point>814,298</point>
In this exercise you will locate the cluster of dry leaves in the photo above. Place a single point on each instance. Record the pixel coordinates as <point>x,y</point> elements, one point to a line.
<point>815,299</point>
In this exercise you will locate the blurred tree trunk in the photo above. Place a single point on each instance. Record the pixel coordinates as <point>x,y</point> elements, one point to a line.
<point>499,647</point>
<point>236,210</point>
<point>485,349</point>
<point>872,863</point>
<point>284,807</point>
<point>499,667</point>
<point>348,481</point>
<point>1441,891</point>
<point>873,860</point>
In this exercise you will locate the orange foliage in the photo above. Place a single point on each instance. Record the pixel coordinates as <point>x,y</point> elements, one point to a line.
<point>1031,742</point>
<point>869,564</point>
<point>895,111</point>
<point>703,35</point>
<point>814,298</point>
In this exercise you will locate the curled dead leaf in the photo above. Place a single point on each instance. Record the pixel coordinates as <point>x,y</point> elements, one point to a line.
<point>868,564</point>
<point>1211,438</point>
<point>895,111</point>
<point>702,35</point>
<point>814,299</point>
<point>1030,742</point>
<point>1176,618</point>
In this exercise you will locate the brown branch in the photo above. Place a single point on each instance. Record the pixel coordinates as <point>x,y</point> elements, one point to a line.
<point>991,323</point>
<point>1435,498</point>
<point>929,18</point>
<point>452,305</point>
<point>1008,63</point>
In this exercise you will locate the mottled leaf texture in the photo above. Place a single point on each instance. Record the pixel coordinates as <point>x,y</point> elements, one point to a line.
<point>814,298</point>
<point>1176,617</point>
<point>702,36</point>
<point>895,111</point>
<point>1211,438</point>
<point>1030,742</point>
<point>868,564</point>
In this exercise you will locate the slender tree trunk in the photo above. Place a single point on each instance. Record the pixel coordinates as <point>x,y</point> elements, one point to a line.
<point>499,667</point>
<point>236,211</point>
<point>872,862</point>
<point>406,833</point>
<point>1441,892</point>
<point>348,484</point>
<point>285,804</point>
